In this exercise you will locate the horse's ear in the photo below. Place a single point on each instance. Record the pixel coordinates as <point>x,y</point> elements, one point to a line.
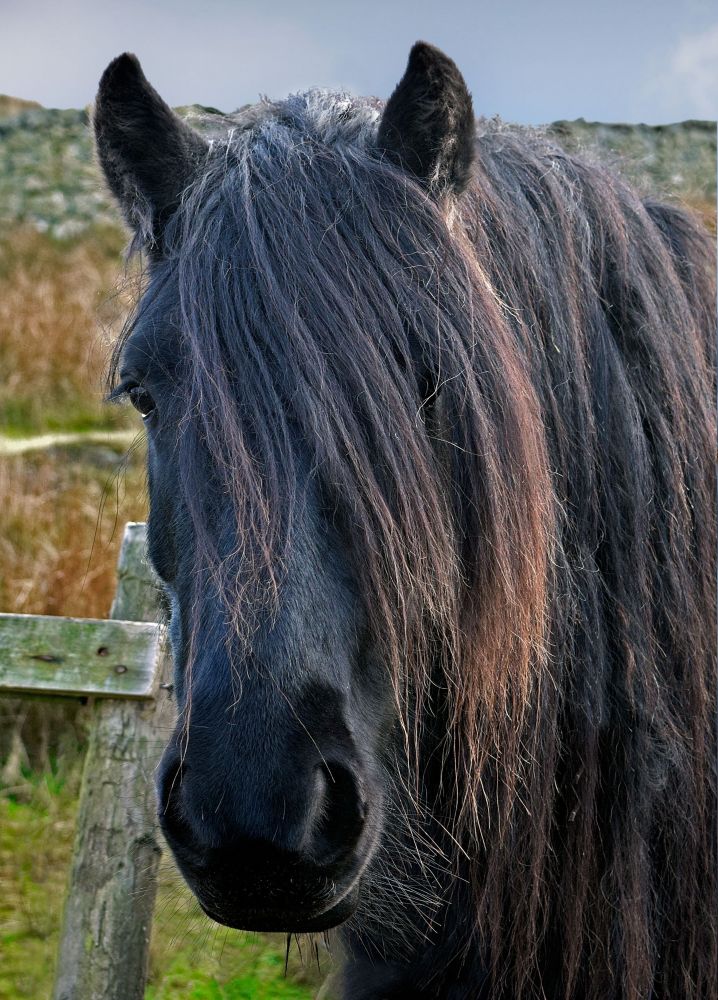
<point>428,124</point>
<point>146,151</point>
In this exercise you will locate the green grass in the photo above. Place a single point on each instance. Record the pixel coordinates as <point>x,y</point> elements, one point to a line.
<point>35,839</point>
<point>191,958</point>
<point>18,418</point>
<point>263,979</point>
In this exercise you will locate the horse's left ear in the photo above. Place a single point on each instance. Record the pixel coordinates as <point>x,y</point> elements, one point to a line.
<point>428,124</point>
<point>148,154</point>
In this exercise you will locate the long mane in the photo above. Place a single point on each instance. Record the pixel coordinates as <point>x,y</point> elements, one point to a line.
<point>509,404</point>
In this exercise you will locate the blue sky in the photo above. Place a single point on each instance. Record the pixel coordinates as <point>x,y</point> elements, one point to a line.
<point>528,60</point>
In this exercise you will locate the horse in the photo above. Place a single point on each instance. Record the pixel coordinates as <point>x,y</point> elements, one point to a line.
<point>429,405</point>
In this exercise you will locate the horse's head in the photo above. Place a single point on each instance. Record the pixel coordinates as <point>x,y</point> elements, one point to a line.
<point>431,492</point>
<point>282,357</point>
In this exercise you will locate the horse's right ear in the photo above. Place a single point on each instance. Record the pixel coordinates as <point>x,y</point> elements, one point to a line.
<point>146,151</point>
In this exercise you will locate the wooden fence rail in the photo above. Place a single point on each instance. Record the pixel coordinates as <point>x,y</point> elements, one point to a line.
<point>77,656</point>
<point>123,666</point>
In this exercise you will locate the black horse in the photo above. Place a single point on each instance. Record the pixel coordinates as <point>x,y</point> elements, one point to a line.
<point>429,409</point>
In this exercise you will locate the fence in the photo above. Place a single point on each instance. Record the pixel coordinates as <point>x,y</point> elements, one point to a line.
<point>122,665</point>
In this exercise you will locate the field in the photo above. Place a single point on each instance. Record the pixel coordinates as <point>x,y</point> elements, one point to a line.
<point>63,296</point>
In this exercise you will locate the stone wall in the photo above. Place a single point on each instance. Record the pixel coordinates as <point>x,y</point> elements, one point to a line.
<point>48,178</point>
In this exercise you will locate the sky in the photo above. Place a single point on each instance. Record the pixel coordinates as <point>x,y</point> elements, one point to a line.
<point>530,61</point>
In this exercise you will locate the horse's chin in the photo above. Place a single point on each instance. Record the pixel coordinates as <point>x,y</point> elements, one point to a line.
<point>272,920</point>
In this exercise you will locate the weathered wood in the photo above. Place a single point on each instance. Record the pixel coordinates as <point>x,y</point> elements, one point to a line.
<point>41,654</point>
<point>104,943</point>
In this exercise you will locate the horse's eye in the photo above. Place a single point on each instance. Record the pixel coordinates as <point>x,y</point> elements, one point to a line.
<point>141,400</point>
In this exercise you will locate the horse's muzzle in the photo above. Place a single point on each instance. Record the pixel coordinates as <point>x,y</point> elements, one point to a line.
<point>302,875</point>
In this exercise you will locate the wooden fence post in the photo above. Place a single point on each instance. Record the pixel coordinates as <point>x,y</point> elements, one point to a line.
<point>104,944</point>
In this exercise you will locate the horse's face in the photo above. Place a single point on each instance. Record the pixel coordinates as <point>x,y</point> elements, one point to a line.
<point>271,789</point>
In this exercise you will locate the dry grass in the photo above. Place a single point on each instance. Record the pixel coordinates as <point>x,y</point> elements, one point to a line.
<point>61,518</point>
<point>61,510</point>
<point>707,211</point>
<point>10,106</point>
<point>56,299</point>
<point>62,514</point>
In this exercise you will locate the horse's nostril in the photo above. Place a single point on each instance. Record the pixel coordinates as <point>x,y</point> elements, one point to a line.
<point>338,816</point>
<point>316,823</point>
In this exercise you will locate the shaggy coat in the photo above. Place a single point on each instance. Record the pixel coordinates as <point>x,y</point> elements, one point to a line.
<point>497,361</point>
